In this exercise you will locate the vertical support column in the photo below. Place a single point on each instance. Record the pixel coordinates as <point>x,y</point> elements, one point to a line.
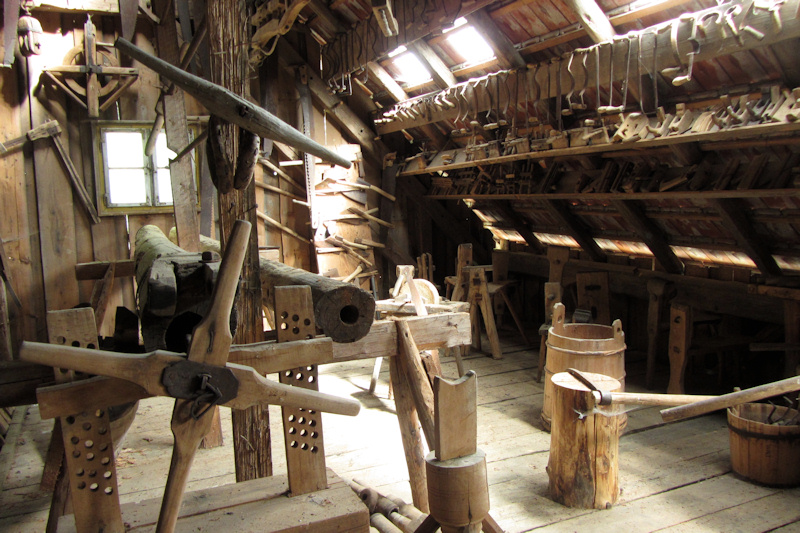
<point>302,428</point>
<point>680,338</point>
<point>657,289</point>
<point>791,314</point>
<point>184,190</point>
<point>227,43</point>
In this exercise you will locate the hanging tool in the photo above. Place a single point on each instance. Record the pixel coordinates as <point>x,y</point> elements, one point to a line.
<point>611,108</point>
<point>684,67</point>
<point>568,110</point>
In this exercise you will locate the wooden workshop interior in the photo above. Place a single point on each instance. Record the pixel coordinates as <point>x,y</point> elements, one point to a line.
<point>537,261</point>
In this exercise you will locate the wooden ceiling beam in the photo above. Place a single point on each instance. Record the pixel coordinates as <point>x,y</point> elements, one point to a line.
<point>519,225</point>
<point>593,19</point>
<point>575,228</point>
<point>507,55</point>
<point>735,219</point>
<point>384,80</point>
<point>650,234</point>
<point>439,71</point>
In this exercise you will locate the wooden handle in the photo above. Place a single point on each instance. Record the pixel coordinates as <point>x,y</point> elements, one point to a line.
<point>734,398</point>
<point>212,337</point>
<point>633,398</point>
<point>255,389</point>
<point>187,433</point>
<point>143,369</point>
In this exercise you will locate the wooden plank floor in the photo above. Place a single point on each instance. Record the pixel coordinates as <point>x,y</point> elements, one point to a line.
<point>674,477</point>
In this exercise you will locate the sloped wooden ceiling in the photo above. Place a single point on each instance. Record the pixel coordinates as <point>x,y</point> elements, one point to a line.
<point>700,171</point>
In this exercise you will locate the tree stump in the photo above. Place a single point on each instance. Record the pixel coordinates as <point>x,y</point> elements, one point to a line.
<point>584,446</point>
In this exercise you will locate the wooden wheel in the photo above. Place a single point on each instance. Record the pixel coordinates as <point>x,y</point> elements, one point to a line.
<point>427,291</point>
<point>104,57</point>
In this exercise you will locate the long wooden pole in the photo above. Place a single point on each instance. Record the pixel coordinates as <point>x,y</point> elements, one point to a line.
<point>231,107</point>
<point>734,398</point>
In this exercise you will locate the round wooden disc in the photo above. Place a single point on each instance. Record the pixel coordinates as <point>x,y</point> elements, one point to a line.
<point>427,291</point>
<point>601,381</point>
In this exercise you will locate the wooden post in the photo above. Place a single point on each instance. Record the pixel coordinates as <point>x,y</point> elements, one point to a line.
<point>791,314</point>
<point>680,338</point>
<point>227,42</point>
<point>656,288</point>
<point>302,428</point>
<point>584,446</point>
<point>184,192</point>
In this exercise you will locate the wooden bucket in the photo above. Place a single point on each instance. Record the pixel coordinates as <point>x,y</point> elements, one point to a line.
<point>765,452</point>
<point>586,347</point>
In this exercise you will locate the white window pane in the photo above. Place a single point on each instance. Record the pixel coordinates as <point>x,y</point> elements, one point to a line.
<point>126,187</point>
<point>163,154</point>
<point>163,187</point>
<point>469,43</point>
<point>411,69</point>
<point>124,149</point>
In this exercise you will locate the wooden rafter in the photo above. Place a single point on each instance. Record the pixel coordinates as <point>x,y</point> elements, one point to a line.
<point>439,71</point>
<point>718,42</point>
<point>519,225</point>
<point>507,55</point>
<point>384,80</point>
<point>575,228</point>
<point>593,19</point>
<point>736,221</point>
<point>650,234</point>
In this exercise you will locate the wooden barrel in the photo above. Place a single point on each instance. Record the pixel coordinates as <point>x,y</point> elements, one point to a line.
<point>583,467</point>
<point>586,347</point>
<point>761,451</point>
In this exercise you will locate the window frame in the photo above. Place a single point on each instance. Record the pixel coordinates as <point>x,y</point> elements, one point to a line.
<point>150,166</point>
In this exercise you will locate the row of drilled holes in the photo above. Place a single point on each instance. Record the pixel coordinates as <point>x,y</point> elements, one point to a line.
<point>292,419</point>
<point>90,456</point>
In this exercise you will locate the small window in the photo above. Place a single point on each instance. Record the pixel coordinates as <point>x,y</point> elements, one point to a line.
<point>410,69</point>
<point>130,180</point>
<point>468,43</point>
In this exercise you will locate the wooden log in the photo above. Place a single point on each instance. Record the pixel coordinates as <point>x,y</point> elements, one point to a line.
<point>584,447</point>
<point>734,398</point>
<point>231,107</point>
<point>343,312</point>
<point>410,433</point>
<point>421,390</point>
